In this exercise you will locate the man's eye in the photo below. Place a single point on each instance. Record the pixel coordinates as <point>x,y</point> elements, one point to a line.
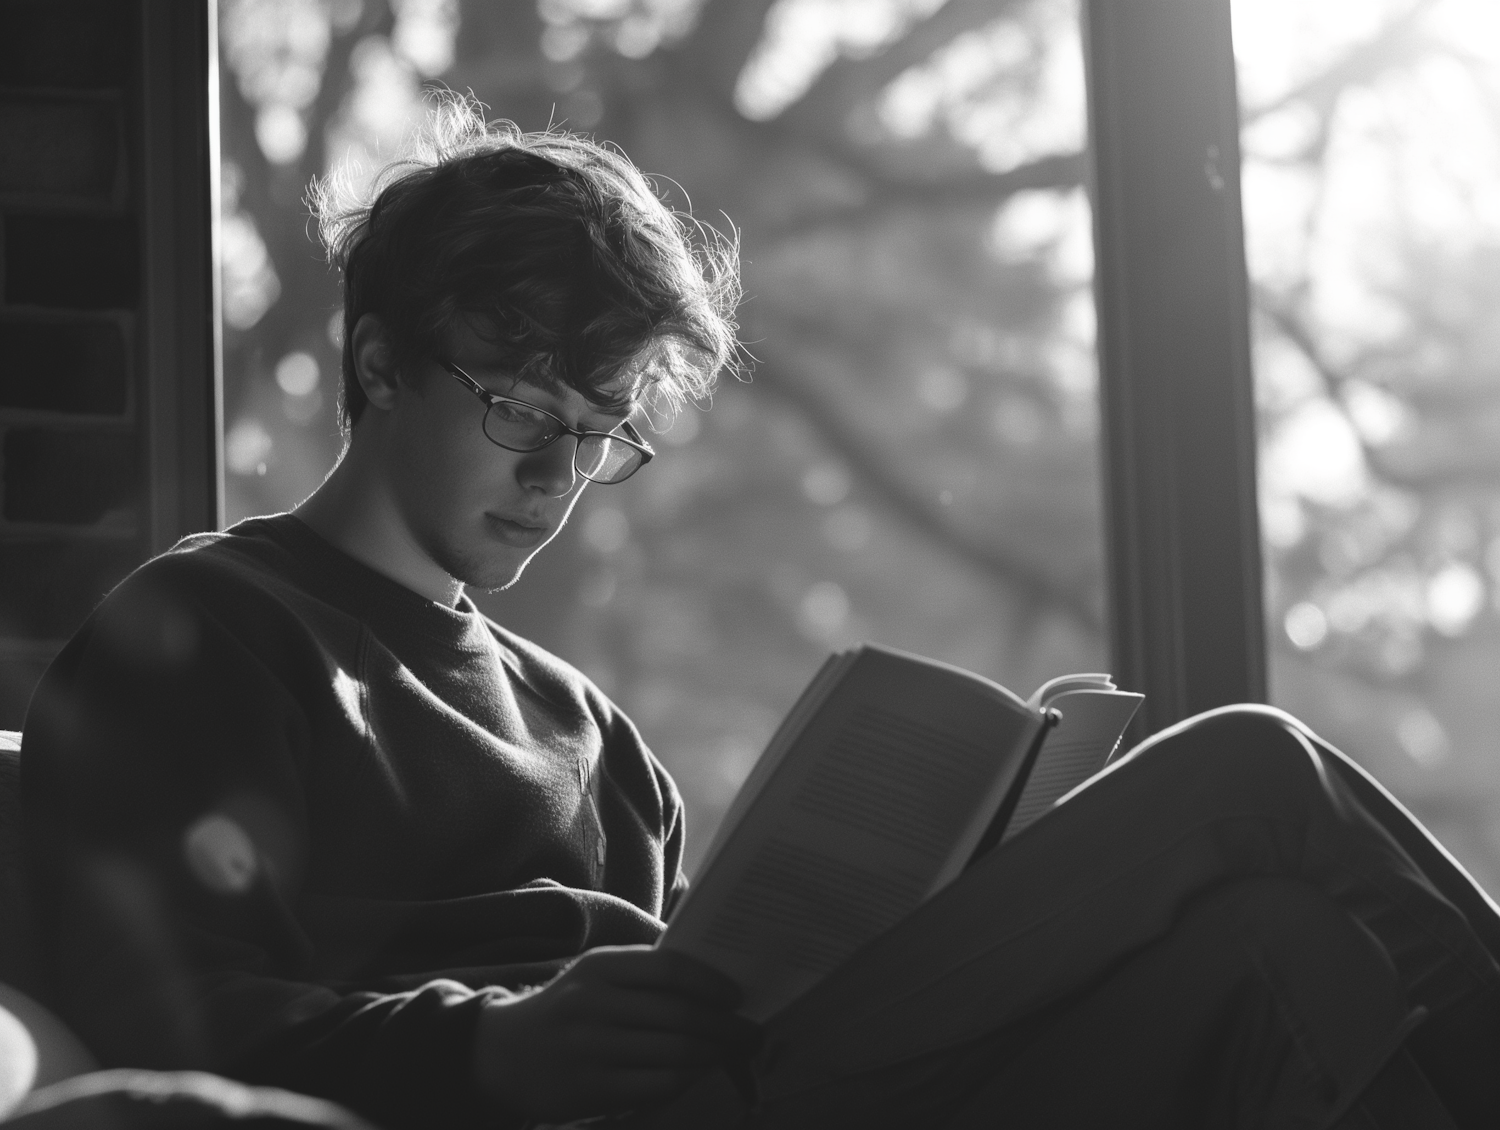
<point>511,413</point>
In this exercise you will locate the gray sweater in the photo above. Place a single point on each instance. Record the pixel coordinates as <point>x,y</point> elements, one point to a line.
<point>290,821</point>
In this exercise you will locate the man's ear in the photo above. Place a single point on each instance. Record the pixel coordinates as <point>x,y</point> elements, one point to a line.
<point>375,361</point>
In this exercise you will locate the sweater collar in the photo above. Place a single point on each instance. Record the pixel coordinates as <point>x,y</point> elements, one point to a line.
<point>385,605</point>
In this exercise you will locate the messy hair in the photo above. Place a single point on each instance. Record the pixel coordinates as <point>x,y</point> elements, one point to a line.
<point>553,247</point>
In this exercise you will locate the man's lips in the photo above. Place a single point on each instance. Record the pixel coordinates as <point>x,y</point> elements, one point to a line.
<point>518,532</point>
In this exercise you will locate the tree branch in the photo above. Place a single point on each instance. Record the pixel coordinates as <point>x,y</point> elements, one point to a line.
<point>300,268</point>
<point>1400,41</point>
<point>826,105</point>
<point>1055,171</point>
<point>1477,472</point>
<point>1037,586</point>
<point>714,52</point>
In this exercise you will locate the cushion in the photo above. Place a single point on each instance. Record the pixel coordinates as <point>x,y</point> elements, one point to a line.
<point>50,1046</point>
<point>126,1099</point>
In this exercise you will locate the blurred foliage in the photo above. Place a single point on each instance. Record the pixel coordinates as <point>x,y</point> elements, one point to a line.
<point>915,458</point>
<point>1372,201</point>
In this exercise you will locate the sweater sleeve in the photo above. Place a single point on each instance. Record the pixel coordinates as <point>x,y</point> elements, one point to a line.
<point>164,825</point>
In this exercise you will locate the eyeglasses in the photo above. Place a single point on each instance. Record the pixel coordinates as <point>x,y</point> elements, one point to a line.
<point>601,457</point>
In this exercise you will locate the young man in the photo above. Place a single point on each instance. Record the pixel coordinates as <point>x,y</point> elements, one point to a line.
<point>289,791</point>
<point>299,814</point>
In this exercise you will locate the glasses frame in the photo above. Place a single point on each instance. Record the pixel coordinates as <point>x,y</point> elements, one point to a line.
<point>631,437</point>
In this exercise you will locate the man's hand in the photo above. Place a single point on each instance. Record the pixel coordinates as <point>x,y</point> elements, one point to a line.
<point>621,1027</point>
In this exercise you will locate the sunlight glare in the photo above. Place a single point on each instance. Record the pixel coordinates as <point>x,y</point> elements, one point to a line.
<point>1315,453</point>
<point>1455,595</point>
<point>802,38</point>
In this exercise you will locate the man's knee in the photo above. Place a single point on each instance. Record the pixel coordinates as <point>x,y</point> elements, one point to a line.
<point>1234,748</point>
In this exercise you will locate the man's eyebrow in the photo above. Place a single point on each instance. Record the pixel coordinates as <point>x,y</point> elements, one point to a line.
<point>517,387</point>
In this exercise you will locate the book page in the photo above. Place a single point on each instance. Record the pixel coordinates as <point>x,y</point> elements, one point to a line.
<point>1077,748</point>
<point>879,801</point>
<point>1042,697</point>
<point>808,703</point>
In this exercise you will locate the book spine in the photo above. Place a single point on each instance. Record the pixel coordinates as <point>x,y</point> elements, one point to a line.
<point>993,834</point>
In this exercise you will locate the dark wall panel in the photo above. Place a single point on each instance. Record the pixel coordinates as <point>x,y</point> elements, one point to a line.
<point>108,364</point>
<point>72,262</point>
<point>69,43</point>
<point>54,145</point>
<point>58,363</point>
<point>51,585</point>
<point>67,477</point>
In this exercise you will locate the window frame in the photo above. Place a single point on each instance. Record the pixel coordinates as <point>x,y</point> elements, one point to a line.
<point>181,331</point>
<point>1182,531</point>
<point>1182,535</point>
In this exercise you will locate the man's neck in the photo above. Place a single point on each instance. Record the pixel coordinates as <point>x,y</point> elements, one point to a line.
<point>355,511</point>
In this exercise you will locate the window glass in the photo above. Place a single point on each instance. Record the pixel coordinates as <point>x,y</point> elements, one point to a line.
<point>913,460</point>
<point>1372,204</point>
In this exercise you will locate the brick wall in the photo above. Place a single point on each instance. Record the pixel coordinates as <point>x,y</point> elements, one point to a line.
<point>75,442</point>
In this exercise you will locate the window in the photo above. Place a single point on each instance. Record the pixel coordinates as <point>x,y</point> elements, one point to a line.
<point>1372,207</point>
<point>914,460</point>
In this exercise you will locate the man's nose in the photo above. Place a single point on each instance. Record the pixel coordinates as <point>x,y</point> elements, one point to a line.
<point>551,469</point>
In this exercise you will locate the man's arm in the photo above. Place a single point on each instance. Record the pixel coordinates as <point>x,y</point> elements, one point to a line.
<point>166,836</point>
<point>167,833</point>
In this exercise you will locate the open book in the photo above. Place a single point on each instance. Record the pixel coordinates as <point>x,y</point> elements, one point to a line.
<point>889,776</point>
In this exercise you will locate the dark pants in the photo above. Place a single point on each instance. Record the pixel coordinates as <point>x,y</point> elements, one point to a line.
<point>1213,933</point>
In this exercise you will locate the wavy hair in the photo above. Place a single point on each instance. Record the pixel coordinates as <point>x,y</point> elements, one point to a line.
<point>555,248</point>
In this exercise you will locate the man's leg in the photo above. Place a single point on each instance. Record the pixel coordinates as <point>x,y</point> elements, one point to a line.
<point>1265,1005</point>
<point>1236,795</point>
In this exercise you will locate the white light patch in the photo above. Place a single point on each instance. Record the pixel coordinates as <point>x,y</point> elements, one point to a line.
<point>823,611</point>
<point>246,273</point>
<point>827,483</point>
<point>1423,738</point>
<point>1379,416</point>
<point>1282,522</point>
<point>346,689</point>
<point>802,37</point>
<point>683,429</point>
<point>1306,626</point>
<point>281,133</point>
<point>220,854</point>
<point>1455,595</point>
<point>606,530</point>
<point>297,374</point>
<point>18,1064</point>
<point>247,447</point>
<point>1315,453</point>
<point>942,389</point>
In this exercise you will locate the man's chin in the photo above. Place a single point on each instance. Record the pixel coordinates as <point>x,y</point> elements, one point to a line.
<point>503,586</point>
<point>475,572</point>
<point>495,580</point>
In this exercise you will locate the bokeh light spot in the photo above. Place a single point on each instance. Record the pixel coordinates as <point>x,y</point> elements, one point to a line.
<point>606,530</point>
<point>220,854</point>
<point>247,447</point>
<point>1306,625</point>
<point>297,374</point>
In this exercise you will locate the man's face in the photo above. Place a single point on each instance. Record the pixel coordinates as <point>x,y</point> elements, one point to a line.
<point>478,511</point>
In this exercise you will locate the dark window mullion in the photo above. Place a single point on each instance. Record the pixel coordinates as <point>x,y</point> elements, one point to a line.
<point>1179,440</point>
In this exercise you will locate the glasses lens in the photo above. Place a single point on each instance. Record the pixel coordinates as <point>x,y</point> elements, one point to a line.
<point>519,426</point>
<point>605,459</point>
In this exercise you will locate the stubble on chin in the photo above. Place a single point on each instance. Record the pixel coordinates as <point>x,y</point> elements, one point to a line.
<point>473,569</point>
